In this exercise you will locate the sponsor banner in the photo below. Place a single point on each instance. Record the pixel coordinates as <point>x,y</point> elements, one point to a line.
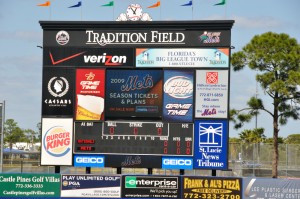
<point>58,92</point>
<point>88,161</point>
<point>178,96</point>
<point>182,57</point>
<point>88,57</point>
<point>90,85</point>
<point>211,187</point>
<point>132,161</point>
<point>211,144</point>
<point>266,188</point>
<point>57,136</point>
<point>177,163</point>
<point>211,97</point>
<point>30,185</point>
<point>133,38</point>
<point>150,187</point>
<point>133,94</point>
<point>91,186</point>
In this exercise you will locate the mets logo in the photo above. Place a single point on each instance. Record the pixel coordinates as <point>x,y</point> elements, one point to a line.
<point>57,141</point>
<point>62,37</point>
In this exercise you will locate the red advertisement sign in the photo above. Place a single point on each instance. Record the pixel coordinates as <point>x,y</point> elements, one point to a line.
<point>90,85</point>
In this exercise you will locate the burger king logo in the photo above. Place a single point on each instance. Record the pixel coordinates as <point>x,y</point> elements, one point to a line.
<point>57,141</point>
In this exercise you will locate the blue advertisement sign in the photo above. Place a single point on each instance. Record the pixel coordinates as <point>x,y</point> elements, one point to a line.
<point>178,95</point>
<point>211,144</point>
<point>133,94</point>
<point>88,161</point>
<point>182,57</point>
<point>177,163</point>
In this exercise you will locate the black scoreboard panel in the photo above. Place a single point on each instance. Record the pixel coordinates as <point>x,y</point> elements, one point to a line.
<point>143,138</point>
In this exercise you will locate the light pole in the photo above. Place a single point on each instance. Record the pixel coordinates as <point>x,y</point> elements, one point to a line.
<point>2,119</point>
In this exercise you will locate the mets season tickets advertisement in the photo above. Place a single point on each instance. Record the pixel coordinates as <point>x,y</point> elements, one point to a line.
<point>134,93</point>
<point>57,136</point>
<point>211,94</point>
<point>90,85</point>
<point>182,57</point>
<point>178,95</point>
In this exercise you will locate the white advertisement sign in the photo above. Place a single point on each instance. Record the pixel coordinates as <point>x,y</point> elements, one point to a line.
<point>211,94</point>
<point>57,136</point>
<point>182,57</point>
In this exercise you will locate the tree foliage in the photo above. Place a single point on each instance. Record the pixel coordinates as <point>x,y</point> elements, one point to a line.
<point>276,58</point>
<point>13,133</point>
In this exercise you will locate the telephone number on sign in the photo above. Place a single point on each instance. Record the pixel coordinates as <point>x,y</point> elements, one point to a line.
<point>211,94</point>
<point>25,186</point>
<point>211,196</point>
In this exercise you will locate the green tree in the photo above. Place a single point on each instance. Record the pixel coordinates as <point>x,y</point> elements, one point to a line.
<point>293,139</point>
<point>276,58</point>
<point>13,133</point>
<point>252,136</point>
<point>30,136</point>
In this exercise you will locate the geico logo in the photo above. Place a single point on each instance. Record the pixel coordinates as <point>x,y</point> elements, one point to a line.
<point>177,162</point>
<point>89,160</point>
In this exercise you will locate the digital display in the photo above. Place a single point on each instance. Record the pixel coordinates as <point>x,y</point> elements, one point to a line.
<point>144,138</point>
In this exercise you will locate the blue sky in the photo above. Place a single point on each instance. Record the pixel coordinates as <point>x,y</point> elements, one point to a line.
<point>21,60</point>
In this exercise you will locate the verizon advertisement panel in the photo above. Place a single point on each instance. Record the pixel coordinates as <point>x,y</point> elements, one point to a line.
<point>211,94</point>
<point>88,57</point>
<point>90,85</point>
<point>182,57</point>
<point>57,136</point>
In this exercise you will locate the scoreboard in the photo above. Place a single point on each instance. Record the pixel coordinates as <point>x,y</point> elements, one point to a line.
<point>143,138</point>
<point>136,94</point>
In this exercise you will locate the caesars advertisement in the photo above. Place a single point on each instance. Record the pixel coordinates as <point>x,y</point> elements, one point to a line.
<point>116,94</point>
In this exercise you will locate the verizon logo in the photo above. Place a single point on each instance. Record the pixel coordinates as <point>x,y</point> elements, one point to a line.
<point>107,60</point>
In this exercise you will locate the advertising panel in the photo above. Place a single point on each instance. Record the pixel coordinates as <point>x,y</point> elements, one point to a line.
<point>88,57</point>
<point>132,161</point>
<point>211,144</point>
<point>178,95</point>
<point>58,92</point>
<point>133,94</point>
<point>182,57</point>
<point>177,163</point>
<point>211,97</point>
<point>151,187</point>
<point>89,161</point>
<point>91,186</point>
<point>266,188</point>
<point>211,187</point>
<point>57,136</point>
<point>90,85</point>
<point>30,185</point>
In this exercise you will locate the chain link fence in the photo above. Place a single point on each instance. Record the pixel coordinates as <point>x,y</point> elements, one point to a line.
<point>245,160</point>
